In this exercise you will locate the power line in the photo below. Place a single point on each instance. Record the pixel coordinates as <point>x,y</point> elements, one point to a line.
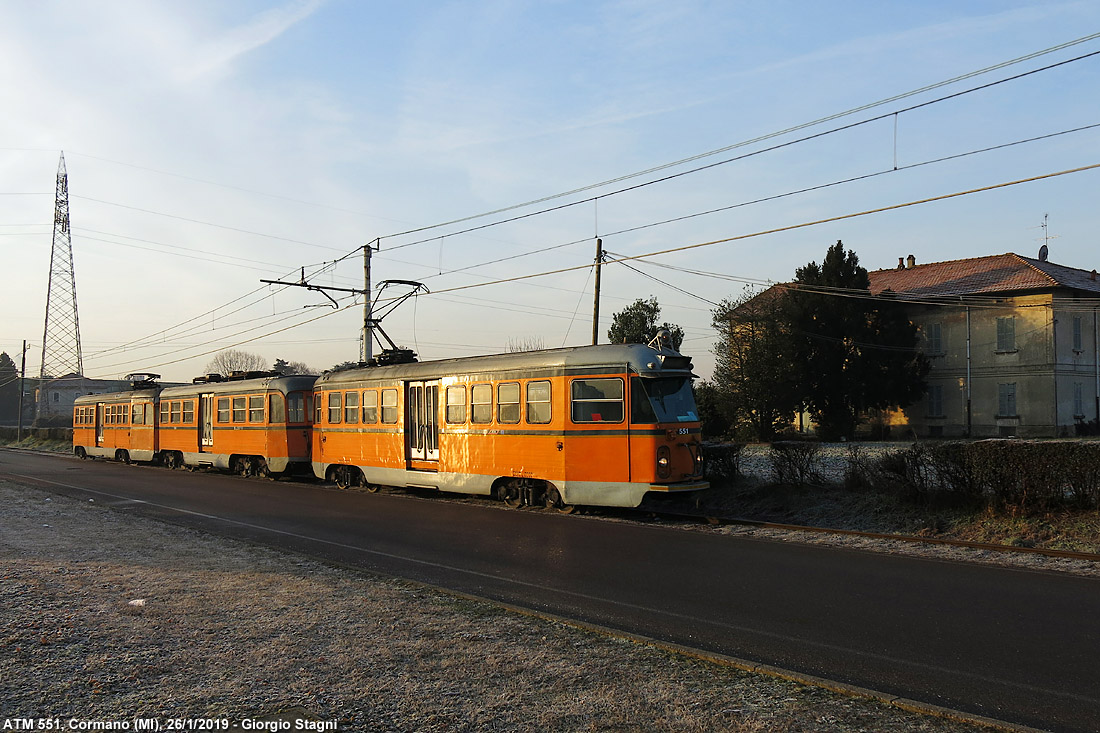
<point>778,230</point>
<point>759,139</point>
<point>206,223</point>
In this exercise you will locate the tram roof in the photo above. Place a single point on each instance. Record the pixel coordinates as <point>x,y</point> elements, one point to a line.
<point>639,358</point>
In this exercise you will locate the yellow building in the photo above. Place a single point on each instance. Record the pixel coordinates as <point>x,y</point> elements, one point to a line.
<point>1012,343</point>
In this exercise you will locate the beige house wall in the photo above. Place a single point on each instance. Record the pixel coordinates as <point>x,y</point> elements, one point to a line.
<point>1052,384</point>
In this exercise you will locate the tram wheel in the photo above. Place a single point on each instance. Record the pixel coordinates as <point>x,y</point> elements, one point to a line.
<point>553,501</point>
<point>511,493</point>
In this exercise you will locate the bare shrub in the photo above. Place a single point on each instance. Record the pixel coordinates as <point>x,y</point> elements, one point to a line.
<point>722,461</point>
<point>794,462</point>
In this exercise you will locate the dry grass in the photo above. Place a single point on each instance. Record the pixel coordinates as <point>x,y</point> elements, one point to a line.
<point>238,631</point>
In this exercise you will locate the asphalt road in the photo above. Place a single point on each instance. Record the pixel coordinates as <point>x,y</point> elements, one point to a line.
<point>1016,645</point>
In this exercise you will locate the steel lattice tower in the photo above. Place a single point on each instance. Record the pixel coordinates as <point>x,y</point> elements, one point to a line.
<point>61,335</point>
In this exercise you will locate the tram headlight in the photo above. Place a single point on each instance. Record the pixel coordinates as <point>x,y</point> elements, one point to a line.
<point>664,460</point>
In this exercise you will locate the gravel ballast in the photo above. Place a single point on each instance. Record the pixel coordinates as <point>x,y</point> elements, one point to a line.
<point>110,617</point>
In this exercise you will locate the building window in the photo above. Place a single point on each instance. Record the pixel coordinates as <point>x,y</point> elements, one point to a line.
<point>1078,342</point>
<point>508,402</point>
<point>1078,401</point>
<point>935,400</point>
<point>456,405</point>
<point>1006,334</point>
<point>597,400</point>
<point>538,402</point>
<point>935,338</point>
<point>481,403</point>
<point>370,407</point>
<point>1006,400</point>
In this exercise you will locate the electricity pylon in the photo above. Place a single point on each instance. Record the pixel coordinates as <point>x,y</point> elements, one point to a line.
<point>61,335</point>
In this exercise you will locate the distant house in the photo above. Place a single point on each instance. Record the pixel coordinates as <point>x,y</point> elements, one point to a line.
<point>54,398</point>
<point>1012,342</point>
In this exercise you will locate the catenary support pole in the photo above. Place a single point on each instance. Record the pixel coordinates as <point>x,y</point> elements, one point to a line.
<point>596,299</point>
<point>22,382</point>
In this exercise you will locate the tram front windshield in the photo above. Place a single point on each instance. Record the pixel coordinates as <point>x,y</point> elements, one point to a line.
<point>662,400</point>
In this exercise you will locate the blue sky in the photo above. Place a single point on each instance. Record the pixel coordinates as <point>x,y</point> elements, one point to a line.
<point>212,144</point>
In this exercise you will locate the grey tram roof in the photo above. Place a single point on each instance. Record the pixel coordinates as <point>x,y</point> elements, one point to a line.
<point>639,358</point>
<point>277,383</point>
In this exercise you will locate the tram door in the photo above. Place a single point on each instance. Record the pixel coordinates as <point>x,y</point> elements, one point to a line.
<point>100,408</point>
<point>206,421</point>
<point>422,421</point>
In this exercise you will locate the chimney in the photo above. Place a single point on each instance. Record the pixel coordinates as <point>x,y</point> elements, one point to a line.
<point>901,263</point>
<point>1092,276</point>
<point>910,261</point>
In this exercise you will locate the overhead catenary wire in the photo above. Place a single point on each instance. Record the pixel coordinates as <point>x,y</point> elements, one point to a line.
<point>762,138</point>
<point>772,148</point>
<point>790,227</point>
<point>752,202</point>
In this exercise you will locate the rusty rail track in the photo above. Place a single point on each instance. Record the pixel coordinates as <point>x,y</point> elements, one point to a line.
<point>913,539</point>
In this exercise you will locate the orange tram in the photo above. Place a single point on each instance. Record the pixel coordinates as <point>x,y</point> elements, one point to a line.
<point>253,423</point>
<point>592,425</point>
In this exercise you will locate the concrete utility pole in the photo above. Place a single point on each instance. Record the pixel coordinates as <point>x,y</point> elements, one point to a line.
<point>22,382</point>
<point>366,353</point>
<point>596,302</point>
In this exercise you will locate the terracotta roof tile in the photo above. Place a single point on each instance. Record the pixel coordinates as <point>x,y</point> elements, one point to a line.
<point>993,274</point>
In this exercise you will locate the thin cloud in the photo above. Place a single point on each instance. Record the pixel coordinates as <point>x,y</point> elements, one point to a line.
<point>261,30</point>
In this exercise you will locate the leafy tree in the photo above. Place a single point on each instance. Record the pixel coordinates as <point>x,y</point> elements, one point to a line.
<point>232,360</point>
<point>852,353</point>
<point>637,324</point>
<point>282,366</point>
<point>344,365</point>
<point>9,388</point>
<point>755,389</point>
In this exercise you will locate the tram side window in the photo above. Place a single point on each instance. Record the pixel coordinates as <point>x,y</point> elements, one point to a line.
<point>456,405</point>
<point>351,407</point>
<point>370,407</point>
<point>597,400</point>
<point>389,406</point>
<point>481,403</point>
<point>538,402</point>
<point>335,407</point>
<point>175,412</point>
<point>508,402</point>
<point>256,408</point>
<point>137,416</point>
<point>296,407</point>
<point>240,409</point>
<point>188,412</point>
<point>223,409</point>
<point>277,408</point>
<point>317,407</point>
<point>164,413</point>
